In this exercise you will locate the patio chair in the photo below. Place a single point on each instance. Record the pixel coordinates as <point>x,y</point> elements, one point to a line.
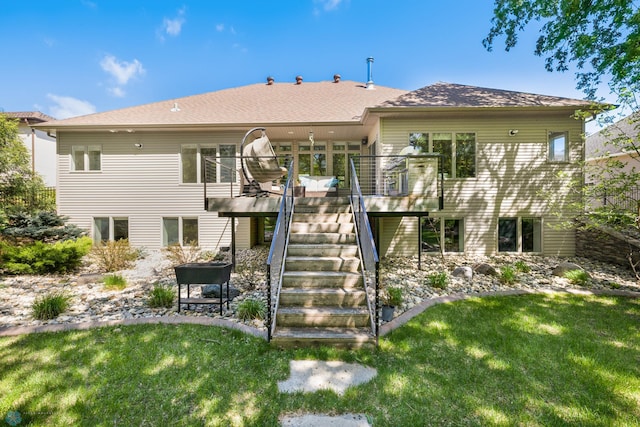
<point>259,164</point>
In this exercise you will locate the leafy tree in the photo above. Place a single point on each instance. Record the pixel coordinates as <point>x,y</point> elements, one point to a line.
<point>601,37</point>
<point>17,180</point>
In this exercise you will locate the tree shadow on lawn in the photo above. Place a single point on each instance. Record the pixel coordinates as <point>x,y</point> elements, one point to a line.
<point>534,360</point>
<point>524,360</point>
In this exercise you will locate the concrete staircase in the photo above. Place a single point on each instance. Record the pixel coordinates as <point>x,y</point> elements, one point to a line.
<point>322,300</point>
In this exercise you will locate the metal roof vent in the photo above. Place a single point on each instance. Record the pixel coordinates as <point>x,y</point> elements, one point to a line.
<point>298,80</point>
<point>270,80</point>
<point>370,85</point>
<point>336,78</point>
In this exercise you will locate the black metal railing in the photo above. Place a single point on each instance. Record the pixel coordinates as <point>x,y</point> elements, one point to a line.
<point>415,175</point>
<point>627,200</point>
<point>370,262</point>
<point>277,252</point>
<point>40,199</point>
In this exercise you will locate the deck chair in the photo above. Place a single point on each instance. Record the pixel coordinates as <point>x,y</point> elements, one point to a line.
<point>259,164</point>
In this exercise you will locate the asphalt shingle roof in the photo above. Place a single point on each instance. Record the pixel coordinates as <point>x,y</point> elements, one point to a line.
<point>305,103</point>
<point>461,96</point>
<point>32,116</point>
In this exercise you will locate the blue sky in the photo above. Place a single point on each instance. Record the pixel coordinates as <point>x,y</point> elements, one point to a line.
<point>74,57</point>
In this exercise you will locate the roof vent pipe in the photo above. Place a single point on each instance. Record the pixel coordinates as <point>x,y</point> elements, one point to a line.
<point>336,78</point>
<point>298,80</point>
<point>369,73</point>
<point>269,80</point>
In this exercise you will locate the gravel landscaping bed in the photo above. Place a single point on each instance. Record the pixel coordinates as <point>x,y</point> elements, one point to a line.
<point>91,302</point>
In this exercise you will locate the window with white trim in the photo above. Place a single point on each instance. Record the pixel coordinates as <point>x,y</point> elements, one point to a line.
<point>181,231</point>
<point>558,147</point>
<point>86,158</point>
<point>219,164</point>
<point>110,228</point>
<point>457,148</point>
<point>520,234</point>
<point>442,233</point>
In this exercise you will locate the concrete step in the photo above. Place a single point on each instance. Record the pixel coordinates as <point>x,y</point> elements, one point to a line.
<point>322,227</point>
<point>317,297</point>
<point>340,317</point>
<point>328,263</point>
<point>328,279</point>
<point>322,250</point>
<point>334,337</point>
<point>322,201</point>
<point>317,238</point>
<point>325,217</point>
<point>323,209</point>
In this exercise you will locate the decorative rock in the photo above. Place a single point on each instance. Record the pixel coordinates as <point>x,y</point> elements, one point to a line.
<point>463,272</point>
<point>562,268</point>
<point>84,279</point>
<point>485,269</point>
<point>213,291</point>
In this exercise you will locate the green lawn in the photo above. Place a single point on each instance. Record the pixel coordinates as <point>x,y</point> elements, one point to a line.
<point>535,360</point>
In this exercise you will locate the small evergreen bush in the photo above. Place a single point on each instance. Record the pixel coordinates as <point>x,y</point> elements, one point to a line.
<point>252,308</point>
<point>577,277</point>
<point>114,255</point>
<point>42,226</point>
<point>507,275</point>
<point>50,306</point>
<point>43,258</point>
<point>161,296</point>
<point>115,282</point>
<point>439,280</point>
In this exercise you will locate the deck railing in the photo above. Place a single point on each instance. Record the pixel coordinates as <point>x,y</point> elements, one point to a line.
<point>413,175</point>
<point>370,262</point>
<point>277,252</point>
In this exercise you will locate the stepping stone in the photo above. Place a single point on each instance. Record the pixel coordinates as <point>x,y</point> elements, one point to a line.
<point>309,376</point>
<point>346,420</point>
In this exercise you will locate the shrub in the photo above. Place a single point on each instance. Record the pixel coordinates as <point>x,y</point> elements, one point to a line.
<point>615,285</point>
<point>252,308</point>
<point>577,277</point>
<point>114,255</point>
<point>161,296</point>
<point>392,296</point>
<point>42,226</point>
<point>49,306</point>
<point>507,275</point>
<point>439,280</point>
<point>521,266</point>
<point>182,254</point>
<point>115,281</point>
<point>43,258</point>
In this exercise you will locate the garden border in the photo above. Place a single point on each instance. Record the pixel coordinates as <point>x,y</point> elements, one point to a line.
<point>384,329</point>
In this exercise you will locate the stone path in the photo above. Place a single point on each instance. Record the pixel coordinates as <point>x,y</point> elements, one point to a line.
<point>309,376</point>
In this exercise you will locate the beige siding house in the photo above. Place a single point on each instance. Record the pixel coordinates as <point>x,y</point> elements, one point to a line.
<point>41,146</point>
<point>138,172</point>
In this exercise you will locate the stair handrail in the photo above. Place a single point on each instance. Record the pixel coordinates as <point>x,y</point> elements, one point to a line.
<point>369,259</point>
<point>278,250</point>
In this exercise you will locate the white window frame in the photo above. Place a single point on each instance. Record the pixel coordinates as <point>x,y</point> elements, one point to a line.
<point>199,161</point>
<point>180,219</point>
<point>519,248</point>
<point>454,150</point>
<point>111,225</point>
<point>552,137</point>
<point>86,160</point>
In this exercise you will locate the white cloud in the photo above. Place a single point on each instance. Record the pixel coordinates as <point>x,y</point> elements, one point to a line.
<point>328,5</point>
<point>118,92</point>
<point>66,106</point>
<point>173,27</point>
<point>123,71</point>
<point>220,28</point>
